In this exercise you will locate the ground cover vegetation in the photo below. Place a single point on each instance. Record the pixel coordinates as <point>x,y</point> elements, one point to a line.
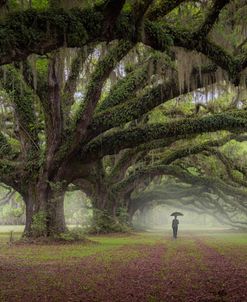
<point>140,267</point>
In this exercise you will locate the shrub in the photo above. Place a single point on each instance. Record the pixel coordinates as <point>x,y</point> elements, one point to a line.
<point>76,234</point>
<point>39,224</point>
<point>102,222</point>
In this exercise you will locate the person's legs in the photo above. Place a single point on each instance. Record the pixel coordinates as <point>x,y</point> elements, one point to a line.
<point>175,232</point>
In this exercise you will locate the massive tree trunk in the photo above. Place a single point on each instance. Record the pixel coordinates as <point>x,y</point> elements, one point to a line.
<point>29,199</point>
<point>109,215</point>
<point>56,220</point>
<point>103,201</point>
<point>44,210</point>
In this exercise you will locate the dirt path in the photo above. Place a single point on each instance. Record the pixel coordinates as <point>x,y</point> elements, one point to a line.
<point>224,278</point>
<point>183,270</point>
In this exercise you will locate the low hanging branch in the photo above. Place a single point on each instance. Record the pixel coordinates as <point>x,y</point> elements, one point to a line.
<point>194,199</point>
<point>150,171</point>
<point>122,139</point>
<point>157,36</point>
<point>198,148</point>
<point>229,166</point>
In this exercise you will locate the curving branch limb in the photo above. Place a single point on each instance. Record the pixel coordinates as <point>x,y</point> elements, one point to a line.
<point>102,72</point>
<point>125,88</point>
<point>131,110</point>
<point>135,136</point>
<point>72,81</point>
<point>133,156</point>
<point>229,166</point>
<point>23,99</point>
<point>162,8</point>
<point>193,198</point>
<point>199,148</point>
<point>211,18</point>
<point>160,37</point>
<point>138,106</point>
<point>42,32</point>
<point>155,170</point>
<point>127,158</point>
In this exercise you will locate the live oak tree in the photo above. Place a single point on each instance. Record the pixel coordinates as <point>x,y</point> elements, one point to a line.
<point>116,181</point>
<point>190,183</point>
<point>142,190</point>
<point>144,21</point>
<point>51,138</point>
<point>12,210</point>
<point>200,196</point>
<point>173,193</point>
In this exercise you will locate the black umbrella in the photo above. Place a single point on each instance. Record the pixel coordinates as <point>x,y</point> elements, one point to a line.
<point>177,214</point>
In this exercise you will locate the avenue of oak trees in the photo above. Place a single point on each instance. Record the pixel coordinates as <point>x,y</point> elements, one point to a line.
<point>78,84</point>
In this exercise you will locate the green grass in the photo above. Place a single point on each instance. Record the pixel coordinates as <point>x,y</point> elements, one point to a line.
<point>8,228</point>
<point>101,244</point>
<point>229,244</point>
<point>232,238</point>
<point>34,270</point>
<point>225,239</point>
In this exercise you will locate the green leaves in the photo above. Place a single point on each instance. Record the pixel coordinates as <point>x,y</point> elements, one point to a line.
<point>5,148</point>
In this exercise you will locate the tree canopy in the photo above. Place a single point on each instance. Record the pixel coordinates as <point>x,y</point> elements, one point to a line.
<point>84,84</point>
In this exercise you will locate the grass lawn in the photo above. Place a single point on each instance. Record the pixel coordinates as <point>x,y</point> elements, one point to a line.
<point>198,266</point>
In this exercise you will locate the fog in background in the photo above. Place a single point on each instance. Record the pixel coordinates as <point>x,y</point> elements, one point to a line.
<point>78,212</point>
<point>159,217</point>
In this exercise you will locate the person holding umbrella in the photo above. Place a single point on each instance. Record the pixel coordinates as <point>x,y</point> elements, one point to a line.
<point>175,223</point>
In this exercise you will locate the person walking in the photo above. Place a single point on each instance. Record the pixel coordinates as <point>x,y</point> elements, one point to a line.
<point>175,223</point>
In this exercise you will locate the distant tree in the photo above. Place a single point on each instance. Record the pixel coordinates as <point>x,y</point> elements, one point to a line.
<point>12,207</point>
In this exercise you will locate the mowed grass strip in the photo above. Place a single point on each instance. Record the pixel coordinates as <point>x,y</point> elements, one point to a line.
<point>65,252</point>
<point>64,276</point>
<point>182,264</point>
<point>231,245</point>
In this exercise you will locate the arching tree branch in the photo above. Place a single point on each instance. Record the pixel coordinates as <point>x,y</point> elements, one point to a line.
<point>112,143</point>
